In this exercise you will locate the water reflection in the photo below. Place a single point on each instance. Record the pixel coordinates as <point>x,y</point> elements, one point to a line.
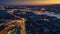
<point>52,15</point>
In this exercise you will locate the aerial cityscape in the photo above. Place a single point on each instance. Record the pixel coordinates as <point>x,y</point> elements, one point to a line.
<point>29,17</point>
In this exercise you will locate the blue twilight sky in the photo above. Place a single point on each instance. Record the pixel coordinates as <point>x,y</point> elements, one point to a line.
<point>19,0</point>
<point>29,1</point>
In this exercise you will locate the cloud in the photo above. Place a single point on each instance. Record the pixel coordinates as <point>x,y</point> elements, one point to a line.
<point>19,0</point>
<point>35,2</point>
<point>31,2</point>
